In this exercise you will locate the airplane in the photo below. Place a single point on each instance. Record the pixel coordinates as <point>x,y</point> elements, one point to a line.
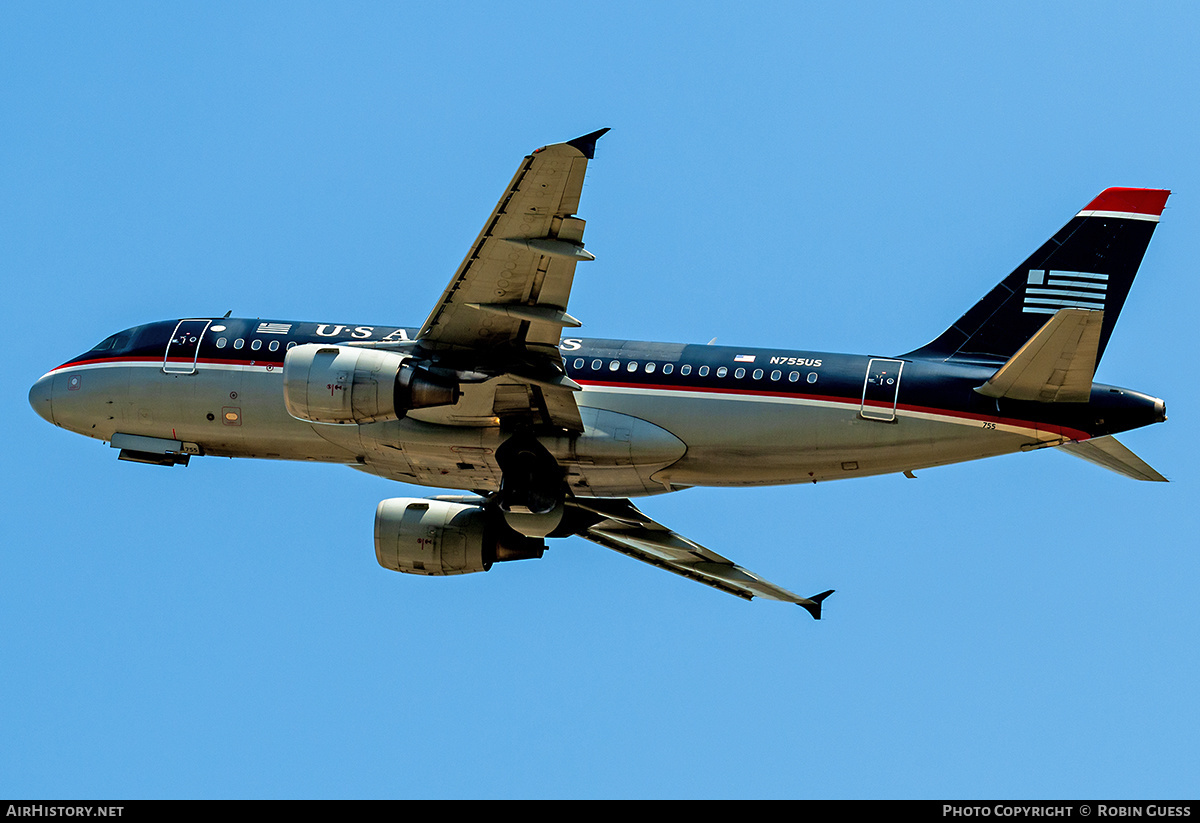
<point>549,435</point>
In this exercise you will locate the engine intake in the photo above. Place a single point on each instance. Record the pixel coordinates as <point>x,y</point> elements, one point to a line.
<point>348,384</point>
<point>436,537</point>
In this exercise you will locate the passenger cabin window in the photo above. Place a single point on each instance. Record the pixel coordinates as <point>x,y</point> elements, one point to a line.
<point>256,345</point>
<point>222,342</point>
<point>739,374</point>
<point>812,377</point>
<point>668,368</point>
<point>632,366</point>
<point>758,373</point>
<point>237,344</point>
<point>685,370</point>
<point>794,377</point>
<point>775,375</point>
<point>290,345</point>
<point>579,362</point>
<point>614,365</point>
<point>649,368</point>
<point>703,371</point>
<point>274,345</point>
<point>596,364</point>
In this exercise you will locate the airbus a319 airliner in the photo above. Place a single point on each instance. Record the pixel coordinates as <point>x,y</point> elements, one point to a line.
<point>551,434</point>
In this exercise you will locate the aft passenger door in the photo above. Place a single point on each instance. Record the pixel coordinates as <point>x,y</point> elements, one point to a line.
<point>880,389</point>
<point>184,347</point>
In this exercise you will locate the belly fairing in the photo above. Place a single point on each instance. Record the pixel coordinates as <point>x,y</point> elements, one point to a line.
<point>616,456</point>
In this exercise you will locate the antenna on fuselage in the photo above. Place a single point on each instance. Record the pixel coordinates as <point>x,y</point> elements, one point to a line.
<point>226,314</point>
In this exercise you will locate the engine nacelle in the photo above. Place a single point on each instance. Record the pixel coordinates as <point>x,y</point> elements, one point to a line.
<point>349,384</point>
<point>435,537</point>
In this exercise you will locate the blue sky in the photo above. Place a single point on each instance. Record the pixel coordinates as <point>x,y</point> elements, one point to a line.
<point>845,179</point>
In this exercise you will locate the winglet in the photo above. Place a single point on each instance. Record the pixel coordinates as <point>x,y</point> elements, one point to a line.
<point>813,604</point>
<point>587,143</point>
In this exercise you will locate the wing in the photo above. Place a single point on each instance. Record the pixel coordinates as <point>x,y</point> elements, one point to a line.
<point>617,524</point>
<point>504,310</point>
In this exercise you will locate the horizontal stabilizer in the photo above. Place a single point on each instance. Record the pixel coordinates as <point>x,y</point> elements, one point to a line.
<point>1109,453</point>
<point>1056,365</point>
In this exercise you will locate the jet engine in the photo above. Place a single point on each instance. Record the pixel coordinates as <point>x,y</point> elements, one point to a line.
<point>436,537</point>
<point>348,384</point>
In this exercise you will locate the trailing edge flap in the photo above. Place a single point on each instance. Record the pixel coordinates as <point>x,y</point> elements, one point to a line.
<point>1109,453</point>
<point>1056,365</point>
<point>617,524</point>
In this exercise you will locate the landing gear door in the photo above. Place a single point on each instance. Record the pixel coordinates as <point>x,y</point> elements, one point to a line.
<point>880,389</point>
<point>184,347</point>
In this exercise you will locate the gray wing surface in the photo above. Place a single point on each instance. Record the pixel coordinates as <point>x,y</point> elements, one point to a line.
<point>506,306</point>
<point>617,524</point>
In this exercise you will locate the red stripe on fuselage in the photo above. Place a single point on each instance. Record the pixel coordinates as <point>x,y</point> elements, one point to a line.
<point>203,361</point>
<point>1073,434</point>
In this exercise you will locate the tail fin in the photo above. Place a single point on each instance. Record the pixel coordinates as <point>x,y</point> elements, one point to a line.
<point>1089,264</point>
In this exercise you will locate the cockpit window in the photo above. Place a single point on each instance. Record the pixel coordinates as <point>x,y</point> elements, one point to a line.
<point>117,342</point>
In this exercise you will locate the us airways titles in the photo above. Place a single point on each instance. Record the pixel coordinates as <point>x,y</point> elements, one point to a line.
<point>361,332</point>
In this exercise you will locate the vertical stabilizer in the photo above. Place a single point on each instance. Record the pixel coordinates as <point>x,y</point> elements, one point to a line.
<point>1089,264</point>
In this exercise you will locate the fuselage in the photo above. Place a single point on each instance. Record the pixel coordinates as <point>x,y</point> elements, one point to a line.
<point>657,416</point>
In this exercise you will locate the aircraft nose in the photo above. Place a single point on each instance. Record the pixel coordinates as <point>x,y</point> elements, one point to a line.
<point>41,397</point>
